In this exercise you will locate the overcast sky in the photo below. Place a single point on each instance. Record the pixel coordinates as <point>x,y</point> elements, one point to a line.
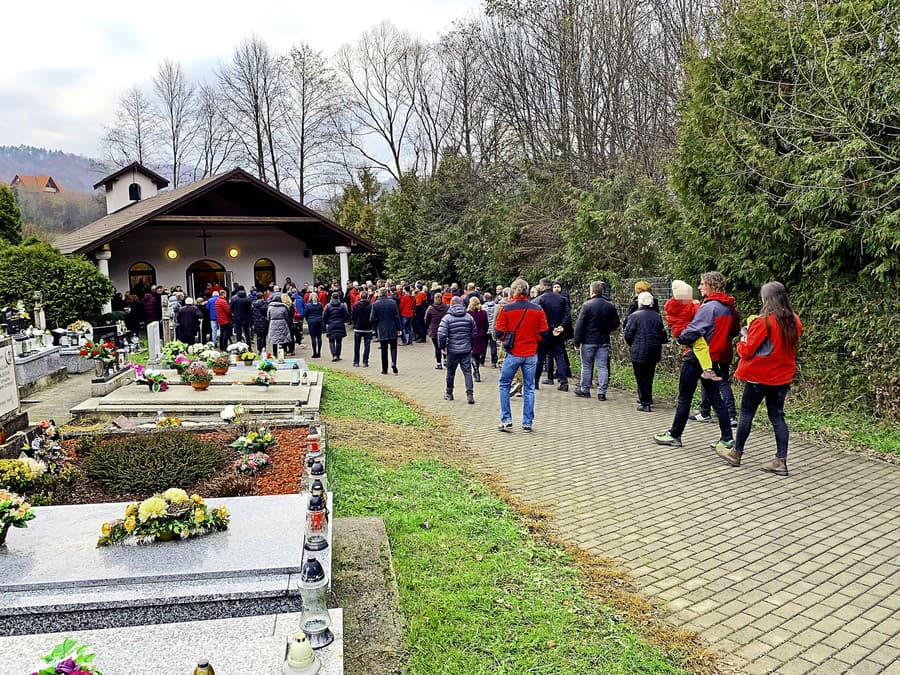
<point>66,63</point>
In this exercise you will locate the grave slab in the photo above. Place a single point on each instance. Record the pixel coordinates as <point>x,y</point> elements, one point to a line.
<point>238,646</point>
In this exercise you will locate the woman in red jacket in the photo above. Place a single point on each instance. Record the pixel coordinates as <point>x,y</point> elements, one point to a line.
<point>768,352</point>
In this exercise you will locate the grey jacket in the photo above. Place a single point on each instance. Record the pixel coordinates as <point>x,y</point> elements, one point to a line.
<point>279,323</point>
<point>456,331</point>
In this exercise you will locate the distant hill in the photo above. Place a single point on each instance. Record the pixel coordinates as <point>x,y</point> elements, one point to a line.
<point>74,172</point>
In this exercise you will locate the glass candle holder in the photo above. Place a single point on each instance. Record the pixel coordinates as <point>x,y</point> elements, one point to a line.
<point>315,621</point>
<point>316,524</point>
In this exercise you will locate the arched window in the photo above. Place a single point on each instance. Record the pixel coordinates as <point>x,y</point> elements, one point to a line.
<point>134,192</point>
<point>263,273</point>
<point>141,276</point>
<point>203,272</point>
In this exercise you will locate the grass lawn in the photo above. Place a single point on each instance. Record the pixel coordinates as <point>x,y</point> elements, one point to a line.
<point>479,590</point>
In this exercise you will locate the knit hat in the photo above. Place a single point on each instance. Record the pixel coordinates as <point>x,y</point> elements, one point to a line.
<point>645,299</point>
<point>682,290</point>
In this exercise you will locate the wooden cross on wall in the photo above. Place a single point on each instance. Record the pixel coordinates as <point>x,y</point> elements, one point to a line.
<point>204,237</point>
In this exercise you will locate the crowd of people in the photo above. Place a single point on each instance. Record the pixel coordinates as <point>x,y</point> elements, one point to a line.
<point>523,330</point>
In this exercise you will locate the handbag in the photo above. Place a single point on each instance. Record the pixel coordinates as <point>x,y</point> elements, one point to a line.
<point>509,339</point>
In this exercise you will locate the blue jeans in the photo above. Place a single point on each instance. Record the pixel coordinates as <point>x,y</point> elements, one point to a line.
<point>366,339</point>
<point>406,327</point>
<point>511,364</point>
<point>591,354</point>
<point>774,396</point>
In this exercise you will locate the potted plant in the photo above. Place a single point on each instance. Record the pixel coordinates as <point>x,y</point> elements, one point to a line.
<point>103,354</point>
<point>154,379</point>
<point>14,512</point>
<point>197,375</point>
<point>267,365</point>
<point>182,362</point>
<point>247,357</point>
<point>219,363</point>
<point>171,351</point>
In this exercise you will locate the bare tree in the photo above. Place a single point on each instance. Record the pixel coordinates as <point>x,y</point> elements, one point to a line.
<point>428,77</point>
<point>313,92</point>
<point>176,99</point>
<point>252,85</point>
<point>381,104</point>
<point>134,136</point>
<point>215,139</point>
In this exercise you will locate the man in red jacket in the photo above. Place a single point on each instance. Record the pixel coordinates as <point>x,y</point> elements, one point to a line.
<point>223,318</point>
<point>407,308</point>
<point>527,324</point>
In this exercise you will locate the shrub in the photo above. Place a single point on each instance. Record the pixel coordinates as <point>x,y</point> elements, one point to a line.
<point>16,476</point>
<point>153,462</point>
<point>231,486</point>
<point>72,287</point>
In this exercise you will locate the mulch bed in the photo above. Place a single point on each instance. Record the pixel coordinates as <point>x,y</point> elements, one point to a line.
<point>282,476</point>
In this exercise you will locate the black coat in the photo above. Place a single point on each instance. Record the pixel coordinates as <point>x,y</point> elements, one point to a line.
<point>633,307</point>
<point>188,323</point>
<point>596,320</point>
<point>645,335</point>
<point>362,316</point>
<point>385,319</point>
<point>313,314</point>
<point>258,313</point>
<point>241,309</point>
<point>336,317</point>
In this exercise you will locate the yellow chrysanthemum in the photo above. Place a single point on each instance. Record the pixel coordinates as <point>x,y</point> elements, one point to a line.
<point>222,512</point>
<point>130,524</point>
<point>199,515</point>
<point>151,508</point>
<point>197,499</point>
<point>131,509</point>
<point>105,529</point>
<point>175,496</point>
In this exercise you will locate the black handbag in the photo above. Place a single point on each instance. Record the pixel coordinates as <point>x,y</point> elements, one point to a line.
<point>509,339</point>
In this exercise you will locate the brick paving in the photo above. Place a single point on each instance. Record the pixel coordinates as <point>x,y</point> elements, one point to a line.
<point>790,575</point>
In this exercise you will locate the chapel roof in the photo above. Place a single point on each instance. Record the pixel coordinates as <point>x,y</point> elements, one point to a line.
<point>320,233</point>
<point>134,167</point>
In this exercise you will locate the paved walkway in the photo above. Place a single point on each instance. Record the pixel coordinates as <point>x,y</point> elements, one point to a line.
<point>791,575</point>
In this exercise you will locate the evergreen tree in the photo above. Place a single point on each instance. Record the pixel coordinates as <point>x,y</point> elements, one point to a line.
<point>10,216</point>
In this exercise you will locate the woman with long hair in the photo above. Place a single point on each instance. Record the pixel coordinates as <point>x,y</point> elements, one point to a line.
<point>768,352</point>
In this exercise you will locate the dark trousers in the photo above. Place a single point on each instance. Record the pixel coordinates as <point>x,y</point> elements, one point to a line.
<point>724,389</point>
<point>224,335</point>
<point>419,323</point>
<point>365,340</point>
<point>492,346</point>
<point>551,353</point>
<point>385,345</point>
<point>643,374</point>
<point>297,331</point>
<point>315,339</point>
<point>242,332</point>
<point>438,354</point>
<point>335,344</point>
<point>260,342</point>
<point>464,361</point>
<point>774,396</point>
<point>687,385</point>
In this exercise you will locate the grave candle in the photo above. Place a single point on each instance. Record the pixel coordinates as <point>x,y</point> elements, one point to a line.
<point>316,524</point>
<point>314,618</point>
<point>300,659</point>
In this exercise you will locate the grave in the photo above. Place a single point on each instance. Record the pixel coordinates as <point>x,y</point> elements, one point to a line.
<point>12,420</point>
<point>230,597</point>
<point>283,399</point>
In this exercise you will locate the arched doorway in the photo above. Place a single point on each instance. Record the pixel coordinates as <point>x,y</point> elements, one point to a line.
<point>204,272</point>
<point>263,273</point>
<point>141,276</point>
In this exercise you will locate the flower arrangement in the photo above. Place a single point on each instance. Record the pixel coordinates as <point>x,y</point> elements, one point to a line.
<point>202,351</point>
<point>263,379</point>
<point>238,348</point>
<point>252,464</point>
<point>105,352</point>
<point>71,658</point>
<point>16,475</point>
<point>197,372</point>
<point>247,357</point>
<point>164,517</point>
<point>45,447</point>
<point>267,365</point>
<point>218,360</point>
<point>258,440</point>
<point>80,326</point>
<point>171,351</point>
<point>14,512</point>
<point>182,362</point>
<point>164,422</point>
<point>154,379</point>
<point>232,413</point>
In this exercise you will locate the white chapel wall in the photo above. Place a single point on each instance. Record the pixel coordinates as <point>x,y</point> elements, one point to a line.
<point>150,243</point>
<point>118,196</point>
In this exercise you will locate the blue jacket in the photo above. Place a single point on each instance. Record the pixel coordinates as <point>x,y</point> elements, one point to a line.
<point>211,307</point>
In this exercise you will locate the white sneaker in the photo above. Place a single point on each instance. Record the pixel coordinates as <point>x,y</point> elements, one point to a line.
<point>700,417</point>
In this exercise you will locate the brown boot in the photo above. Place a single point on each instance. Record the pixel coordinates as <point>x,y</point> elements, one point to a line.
<point>730,455</point>
<point>777,466</point>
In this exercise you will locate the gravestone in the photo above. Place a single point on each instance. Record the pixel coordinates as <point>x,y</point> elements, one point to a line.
<point>11,420</point>
<point>154,344</point>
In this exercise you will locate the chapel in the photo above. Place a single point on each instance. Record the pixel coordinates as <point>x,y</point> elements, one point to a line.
<point>223,229</point>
